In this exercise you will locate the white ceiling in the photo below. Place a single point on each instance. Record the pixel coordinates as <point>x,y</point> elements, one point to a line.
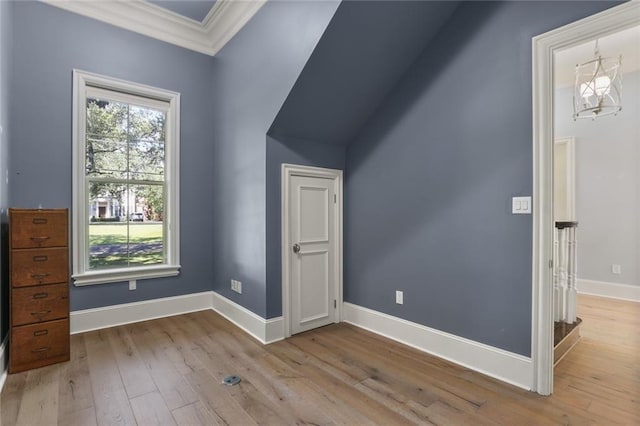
<point>625,43</point>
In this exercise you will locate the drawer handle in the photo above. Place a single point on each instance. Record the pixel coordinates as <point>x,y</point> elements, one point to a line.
<point>39,277</point>
<point>39,240</point>
<point>40,258</point>
<point>41,333</point>
<point>41,295</point>
<point>35,351</point>
<point>39,221</point>
<point>40,314</point>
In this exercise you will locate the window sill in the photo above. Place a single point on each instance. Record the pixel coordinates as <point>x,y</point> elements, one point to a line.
<point>119,275</point>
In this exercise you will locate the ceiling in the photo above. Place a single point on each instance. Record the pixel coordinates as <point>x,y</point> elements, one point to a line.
<point>196,10</point>
<point>201,25</point>
<point>625,43</point>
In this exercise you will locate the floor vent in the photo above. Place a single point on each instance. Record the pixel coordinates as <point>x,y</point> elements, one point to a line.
<point>231,380</point>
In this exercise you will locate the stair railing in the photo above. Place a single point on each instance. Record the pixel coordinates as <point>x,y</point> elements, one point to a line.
<point>565,259</point>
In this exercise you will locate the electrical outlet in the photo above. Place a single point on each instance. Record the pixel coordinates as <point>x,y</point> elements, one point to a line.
<point>616,269</point>
<point>236,286</point>
<point>399,297</point>
<point>132,284</point>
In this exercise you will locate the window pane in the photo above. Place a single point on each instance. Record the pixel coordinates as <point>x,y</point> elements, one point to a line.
<point>125,227</point>
<point>106,157</point>
<point>146,230</point>
<point>108,247</point>
<point>149,200</point>
<point>107,201</point>
<point>108,233</point>
<point>146,143</point>
<point>107,118</point>
<point>146,124</point>
<point>146,160</point>
<point>107,124</point>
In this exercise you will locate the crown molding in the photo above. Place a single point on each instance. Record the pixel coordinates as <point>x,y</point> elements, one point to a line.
<point>224,20</point>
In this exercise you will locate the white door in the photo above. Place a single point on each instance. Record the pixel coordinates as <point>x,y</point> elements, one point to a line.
<point>312,252</point>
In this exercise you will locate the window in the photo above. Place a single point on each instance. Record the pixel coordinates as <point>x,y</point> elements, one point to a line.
<point>125,180</point>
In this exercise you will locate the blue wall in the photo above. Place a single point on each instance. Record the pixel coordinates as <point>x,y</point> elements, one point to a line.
<point>48,43</point>
<point>430,178</point>
<point>5,95</point>
<point>252,76</point>
<point>281,150</point>
<point>363,52</point>
<point>365,49</point>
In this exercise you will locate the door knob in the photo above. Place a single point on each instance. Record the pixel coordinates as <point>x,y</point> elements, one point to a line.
<point>296,248</point>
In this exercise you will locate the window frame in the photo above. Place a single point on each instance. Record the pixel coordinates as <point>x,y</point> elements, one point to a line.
<point>81,274</point>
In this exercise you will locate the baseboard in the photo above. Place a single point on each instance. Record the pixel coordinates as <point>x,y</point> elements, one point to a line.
<point>500,364</point>
<point>265,331</point>
<point>127,313</point>
<point>565,345</point>
<point>610,290</point>
<point>4,358</point>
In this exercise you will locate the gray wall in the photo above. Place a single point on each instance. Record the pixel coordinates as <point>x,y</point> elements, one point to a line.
<point>430,177</point>
<point>281,150</point>
<point>607,185</point>
<point>365,49</point>
<point>5,86</point>
<point>48,44</point>
<point>252,76</point>
<point>362,54</point>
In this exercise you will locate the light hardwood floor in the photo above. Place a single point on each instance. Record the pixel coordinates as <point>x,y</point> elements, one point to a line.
<point>169,371</point>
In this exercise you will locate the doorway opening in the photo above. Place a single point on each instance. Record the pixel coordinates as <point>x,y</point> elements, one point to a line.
<point>545,48</point>
<point>601,231</point>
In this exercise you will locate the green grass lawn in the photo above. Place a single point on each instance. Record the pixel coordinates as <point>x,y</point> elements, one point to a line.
<point>108,233</point>
<point>109,248</point>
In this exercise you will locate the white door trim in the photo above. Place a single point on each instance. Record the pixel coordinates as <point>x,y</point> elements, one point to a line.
<point>570,177</point>
<point>289,170</point>
<point>609,21</point>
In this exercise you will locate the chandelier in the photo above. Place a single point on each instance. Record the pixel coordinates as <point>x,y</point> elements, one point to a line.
<point>598,87</point>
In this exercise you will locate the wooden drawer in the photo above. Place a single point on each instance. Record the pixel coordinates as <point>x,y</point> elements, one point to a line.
<point>33,346</point>
<point>38,228</point>
<point>39,266</point>
<point>41,303</point>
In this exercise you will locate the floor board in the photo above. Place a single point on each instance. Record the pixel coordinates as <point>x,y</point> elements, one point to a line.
<point>170,371</point>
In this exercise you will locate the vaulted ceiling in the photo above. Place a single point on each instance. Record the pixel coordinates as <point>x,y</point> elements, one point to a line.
<point>365,50</point>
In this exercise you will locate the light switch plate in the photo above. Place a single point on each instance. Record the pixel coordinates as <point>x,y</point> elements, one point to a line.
<point>236,286</point>
<point>521,205</point>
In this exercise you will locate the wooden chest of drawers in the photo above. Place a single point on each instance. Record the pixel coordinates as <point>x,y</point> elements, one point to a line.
<point>39,300</point>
